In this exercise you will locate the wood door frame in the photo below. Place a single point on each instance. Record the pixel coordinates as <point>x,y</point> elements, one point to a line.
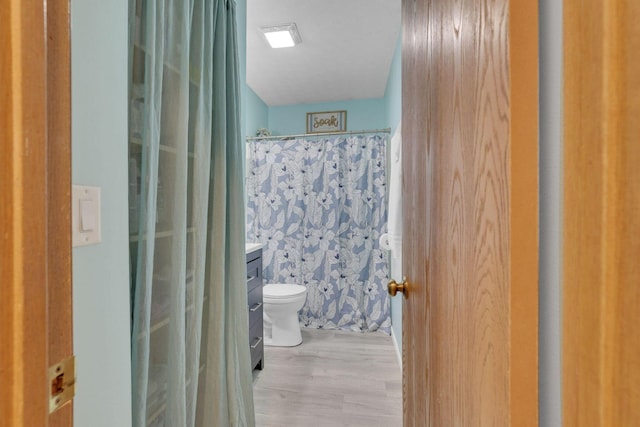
<point>601,296</point>
<point>59,270</point>
<point>523,211</point>
<point>35,184</point>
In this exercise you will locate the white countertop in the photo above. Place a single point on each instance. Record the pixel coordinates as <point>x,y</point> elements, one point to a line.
<point>250,247</point>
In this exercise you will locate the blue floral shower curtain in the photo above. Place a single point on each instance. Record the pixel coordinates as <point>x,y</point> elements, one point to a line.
<point>319,207</point>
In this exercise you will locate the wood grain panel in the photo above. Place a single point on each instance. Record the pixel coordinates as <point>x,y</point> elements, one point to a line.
<point>60,322</point>
<point>577,398</point>
<point>415,126</point>
<point>601,296</point>
<point>470,170</point>
<point>23,292</point>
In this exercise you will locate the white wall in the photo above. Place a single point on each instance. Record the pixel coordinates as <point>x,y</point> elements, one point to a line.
<point>99,158</point>
<point>550,375</point>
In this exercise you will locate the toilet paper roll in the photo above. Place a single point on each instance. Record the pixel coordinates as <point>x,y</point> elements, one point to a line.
<point>384,242</point>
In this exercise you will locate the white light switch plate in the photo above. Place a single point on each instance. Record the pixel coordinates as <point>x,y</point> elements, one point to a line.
<point>85,208</point>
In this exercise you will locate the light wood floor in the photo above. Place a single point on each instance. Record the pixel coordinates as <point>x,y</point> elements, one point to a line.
<point>333,378</point>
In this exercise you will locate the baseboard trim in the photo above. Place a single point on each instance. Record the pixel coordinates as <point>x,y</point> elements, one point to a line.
<point>395,345</point>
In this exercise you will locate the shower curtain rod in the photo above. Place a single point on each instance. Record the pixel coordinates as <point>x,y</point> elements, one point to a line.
<point>353,132</point>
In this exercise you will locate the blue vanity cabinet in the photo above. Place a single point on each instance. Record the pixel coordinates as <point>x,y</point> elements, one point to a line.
<point>254,289</point>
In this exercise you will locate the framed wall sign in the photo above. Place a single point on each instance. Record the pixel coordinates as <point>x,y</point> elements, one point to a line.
<point>327,121</point>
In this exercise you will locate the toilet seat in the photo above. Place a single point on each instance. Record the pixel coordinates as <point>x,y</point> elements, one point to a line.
<point>280,291</point>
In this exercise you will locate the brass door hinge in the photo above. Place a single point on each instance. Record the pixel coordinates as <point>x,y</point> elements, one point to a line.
<point>62,383</point>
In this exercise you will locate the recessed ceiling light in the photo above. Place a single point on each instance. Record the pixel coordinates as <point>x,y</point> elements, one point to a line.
<point>284,35</point>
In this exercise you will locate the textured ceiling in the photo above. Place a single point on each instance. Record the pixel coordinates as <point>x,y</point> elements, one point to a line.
<point>346,50</point>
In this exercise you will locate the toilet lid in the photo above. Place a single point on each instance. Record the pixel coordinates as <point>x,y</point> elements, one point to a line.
<point>282,290</point>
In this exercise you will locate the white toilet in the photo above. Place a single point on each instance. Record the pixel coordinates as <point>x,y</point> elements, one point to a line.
<point>282,301</point>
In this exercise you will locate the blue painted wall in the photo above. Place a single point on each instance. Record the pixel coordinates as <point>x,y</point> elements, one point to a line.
<point>393,92</point>
<point>257,113</point>
<point>101,272</point>
<point>362,114</point>
<point>241,22</point>
<point>393,105</point>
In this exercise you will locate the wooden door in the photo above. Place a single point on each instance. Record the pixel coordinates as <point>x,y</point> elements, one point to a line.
<point>35,201</point>
<point>470,248</point>
<point>601,286</point>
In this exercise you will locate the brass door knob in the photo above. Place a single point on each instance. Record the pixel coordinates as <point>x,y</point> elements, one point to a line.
<point>395,287</point>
